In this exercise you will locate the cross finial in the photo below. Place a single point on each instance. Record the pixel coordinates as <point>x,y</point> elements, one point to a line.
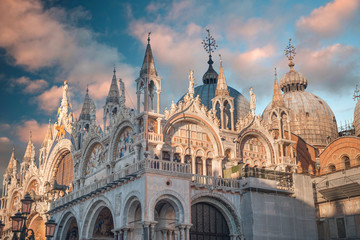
<point>209,43</point>
<point>275,73</point>
<point>290,54</point>
<point>114,69</point>
<point>149,33</point>
<point>356,93</point>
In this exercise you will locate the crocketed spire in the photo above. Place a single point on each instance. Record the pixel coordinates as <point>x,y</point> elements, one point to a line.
<point>221,87</point>
<point>12,167</point>
<point>85,111</point>
<point>277,100</point>
<point>29,155</point>
<point>48,136</point>
<point>113,95</point>
<point>148,61</point>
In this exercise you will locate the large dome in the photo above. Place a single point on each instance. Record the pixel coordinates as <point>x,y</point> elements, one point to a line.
<point>357,118</point>
<point>206,92</point>
<point>311,117</point>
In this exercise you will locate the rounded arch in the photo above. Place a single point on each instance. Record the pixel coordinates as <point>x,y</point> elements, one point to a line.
<point>33,184</point>
<point>64,146</point>
<point>67,226</point>
<point>37,224</point>
<point>192,119</point>
<point>116,136</point>
<point>174,199</point>
<point>224,206</point>
<point>94,151</point>
<point>92,213</point>
<point>131,207</point>
<point>261,137</point>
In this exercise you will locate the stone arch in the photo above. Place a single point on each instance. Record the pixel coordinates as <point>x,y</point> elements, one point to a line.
<point>92,213</point>
<point>331,168</point>
<point>224,206</point>
<point>116,135</point>
<point>261,137</point>
<point>95,143</point>
<point>131,207</point>
<point>37,224</point>
<point>174,199</point>
<point>192,119</point>
<point>64,146</point>
<point>33,181</point>
<point>66,223</point>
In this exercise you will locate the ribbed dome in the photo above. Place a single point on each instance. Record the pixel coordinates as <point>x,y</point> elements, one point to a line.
<point>357,118</point>
<point>311,117</point>
<point>293,81</point>
<point>206,92</point>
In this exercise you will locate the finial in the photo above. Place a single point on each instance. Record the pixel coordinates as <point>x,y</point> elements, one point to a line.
<point>49,120</point>
<point>275,73</point>
<point>149,33</point>
<point>209,44</point>
<point>220,59</point>
<point>356,93</point>
<point>30,135</point>
<point>290,54</point>
<point>87,88</point>
<point>114,69</point>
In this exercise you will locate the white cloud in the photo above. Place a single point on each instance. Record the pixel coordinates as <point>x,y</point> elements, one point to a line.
<point>38,131</point>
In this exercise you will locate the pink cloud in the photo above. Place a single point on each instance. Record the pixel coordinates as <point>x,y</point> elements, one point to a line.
<point>37,38</point>
<point>31,86</point>
<point>38,131</point>
<point>49,100</point>
<point>328,20</point>
<point>4,140</point>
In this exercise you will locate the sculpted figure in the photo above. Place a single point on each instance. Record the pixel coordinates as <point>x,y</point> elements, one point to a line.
<point>252,102</point>
<point>191,83</point>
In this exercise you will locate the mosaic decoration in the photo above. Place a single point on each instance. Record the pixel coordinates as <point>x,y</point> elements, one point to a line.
<point>95,160</point>
<point>104,224</point>
<point>125,143</point>
<point>73,232</point>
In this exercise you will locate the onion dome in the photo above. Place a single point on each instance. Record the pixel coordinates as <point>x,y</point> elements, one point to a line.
<point>310,117</point>
<point>357,113</point>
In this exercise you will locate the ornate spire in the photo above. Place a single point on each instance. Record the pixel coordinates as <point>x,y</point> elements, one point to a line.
<point>210,45</point>
<point>221,87</point>
<point>277,100</point>
<point>113,95</point>
<point>48,136</point>
<point>85,110</point>
<point>29,155</point>
<point>148,61</point>
<point>290,54</point>
<point>12,163</point>
<point>122,89</point>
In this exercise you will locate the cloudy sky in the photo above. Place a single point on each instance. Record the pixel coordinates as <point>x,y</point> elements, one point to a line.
<point>43,43</point>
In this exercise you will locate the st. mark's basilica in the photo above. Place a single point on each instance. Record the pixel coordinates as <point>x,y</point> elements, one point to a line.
<point>204,168</point>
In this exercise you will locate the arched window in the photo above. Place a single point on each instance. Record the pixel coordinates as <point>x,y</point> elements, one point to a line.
<point>209,167</point>
<point>346,161</point>
<point>65,172</point>
<point>331,168</point>
<point>199,166</point>
<point>208,223</point>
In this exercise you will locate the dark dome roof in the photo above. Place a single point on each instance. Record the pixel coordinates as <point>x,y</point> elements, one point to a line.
<point>206,92</point>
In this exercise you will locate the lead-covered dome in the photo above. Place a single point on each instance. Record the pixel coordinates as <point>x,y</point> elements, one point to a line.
<point>357,118</point>
<point>207,91</point>
<point>310,116</point>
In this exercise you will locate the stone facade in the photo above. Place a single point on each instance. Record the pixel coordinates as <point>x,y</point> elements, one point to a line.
<point>195,171</point>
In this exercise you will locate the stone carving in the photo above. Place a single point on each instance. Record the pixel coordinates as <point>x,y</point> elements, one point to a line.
<point>191,89</point>
<point>252,101</point>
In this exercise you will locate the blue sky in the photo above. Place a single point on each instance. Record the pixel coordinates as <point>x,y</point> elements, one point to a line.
<point>43,43</point>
